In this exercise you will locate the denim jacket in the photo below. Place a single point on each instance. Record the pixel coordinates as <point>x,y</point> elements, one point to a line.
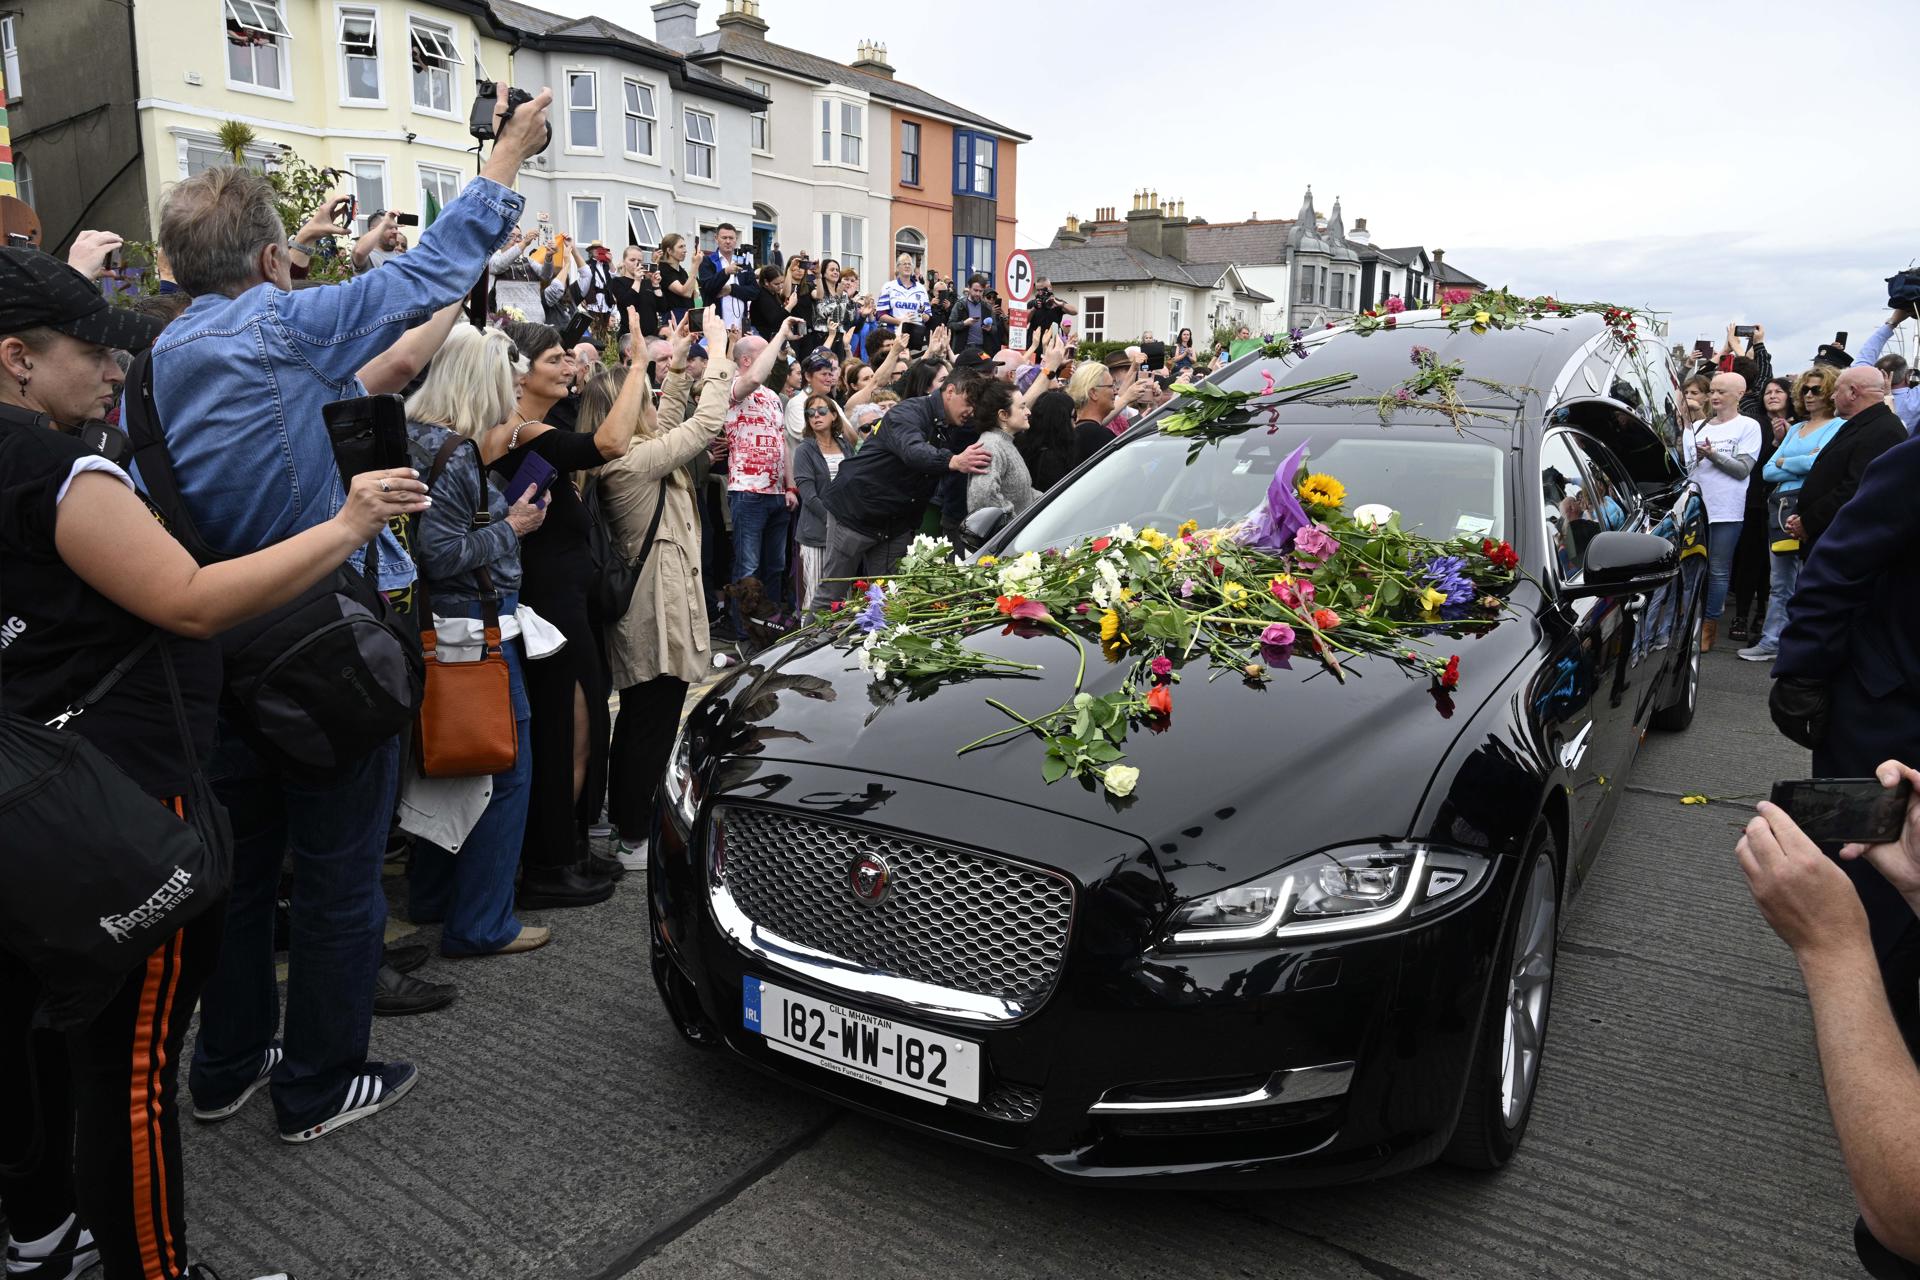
<point>451,549</point>
<point>239,382</point>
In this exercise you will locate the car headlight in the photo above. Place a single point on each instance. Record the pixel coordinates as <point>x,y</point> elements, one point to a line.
<point>1348,890</point>
<point>682,783</point>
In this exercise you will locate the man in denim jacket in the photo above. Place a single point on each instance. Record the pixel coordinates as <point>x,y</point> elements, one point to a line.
<point>239,382</point>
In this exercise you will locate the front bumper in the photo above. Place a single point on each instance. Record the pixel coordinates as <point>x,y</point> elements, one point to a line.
<point>1300,1065</point>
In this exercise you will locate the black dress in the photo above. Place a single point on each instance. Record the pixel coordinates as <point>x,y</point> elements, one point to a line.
<point>557,578</point>
<point>672,306</point>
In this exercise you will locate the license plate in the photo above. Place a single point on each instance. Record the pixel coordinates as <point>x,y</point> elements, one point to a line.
<point>882,1051</point>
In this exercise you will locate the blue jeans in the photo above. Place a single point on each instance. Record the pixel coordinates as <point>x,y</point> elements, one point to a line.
<point>472,892</point>
<point>1783,575</point>
<point>334,833</point>
<point>1723,539</point>
<point>760,523</point>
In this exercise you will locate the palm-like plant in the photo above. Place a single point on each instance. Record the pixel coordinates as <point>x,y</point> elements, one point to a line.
<point>235,138</point>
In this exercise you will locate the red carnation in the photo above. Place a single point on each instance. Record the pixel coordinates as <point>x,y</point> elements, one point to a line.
<point>1450,677</point>
<point>860,586</point>
<point>1101,544</point>
<point>837,605</point>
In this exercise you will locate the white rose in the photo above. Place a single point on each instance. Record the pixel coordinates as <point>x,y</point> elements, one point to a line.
<point>1374,515</point>
<point>1120,779</point>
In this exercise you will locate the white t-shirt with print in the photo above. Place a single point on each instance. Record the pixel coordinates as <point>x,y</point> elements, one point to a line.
<point>1725,495</point>
<point>756,440</point>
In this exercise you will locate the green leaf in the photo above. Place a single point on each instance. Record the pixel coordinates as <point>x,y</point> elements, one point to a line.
<point>1053,768</point>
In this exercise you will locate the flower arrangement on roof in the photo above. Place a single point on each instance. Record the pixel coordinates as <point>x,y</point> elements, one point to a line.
<point>1299,579</point>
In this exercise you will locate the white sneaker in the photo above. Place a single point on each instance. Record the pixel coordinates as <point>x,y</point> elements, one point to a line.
<point>1754,653</point>
<point>61,1255</point>
<point>631,856</point>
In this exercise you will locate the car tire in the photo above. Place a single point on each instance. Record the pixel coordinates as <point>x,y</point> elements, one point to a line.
<point>1678,714</point>
<point>1502,1082</point>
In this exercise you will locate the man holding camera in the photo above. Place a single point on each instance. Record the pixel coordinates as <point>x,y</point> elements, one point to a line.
<point>726,278</point>
<point>239,383</point>
<point>1873,1089</point>
<point>1906,399</point>
<point>1046,310</point>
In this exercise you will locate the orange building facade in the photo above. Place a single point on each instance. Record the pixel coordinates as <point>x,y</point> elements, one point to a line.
<point>953,194</point>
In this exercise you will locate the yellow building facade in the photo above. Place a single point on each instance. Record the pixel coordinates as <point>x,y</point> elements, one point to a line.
<point>379,89</point>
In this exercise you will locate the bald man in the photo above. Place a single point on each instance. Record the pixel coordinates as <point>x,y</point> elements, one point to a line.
<point>1721,453</point>
<point>1847,681</point>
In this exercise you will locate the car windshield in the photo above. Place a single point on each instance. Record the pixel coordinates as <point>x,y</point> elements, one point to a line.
<point>1443,485</point>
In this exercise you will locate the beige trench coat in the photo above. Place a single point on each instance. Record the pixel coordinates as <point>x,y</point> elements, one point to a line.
<point>664,632</point>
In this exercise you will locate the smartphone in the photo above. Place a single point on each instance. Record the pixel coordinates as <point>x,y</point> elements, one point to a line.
<point>345,210</point>
<point>407,219</point>
<point>1840,339</point>
<point>1743,331</point>
<point>1703,347</point>
<point>114,260</point>
<point>697,319</point>
<point>1845,810</point>
<point>535,473</point>
<point>369,433</point>
<point>576,330</point>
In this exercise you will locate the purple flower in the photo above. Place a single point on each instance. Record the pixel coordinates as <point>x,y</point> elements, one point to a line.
<point>1281,517</point>
<point>1402,394</point>
<point>1186,588</point>
<point>1315,543</point>
<point>873,617</point>
<point>1420,355</point>
<point>1278,635</point>
<point>1161,666</point>
<point>1296,333</point>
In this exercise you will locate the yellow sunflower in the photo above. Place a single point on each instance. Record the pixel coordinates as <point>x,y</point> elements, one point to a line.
<point>1191,526</point>
<point>1153,538</point>
<point>1322,491</point>
<point>1113,641</point>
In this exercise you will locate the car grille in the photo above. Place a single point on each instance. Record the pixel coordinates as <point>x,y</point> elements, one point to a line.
<point>953,919</point>
<point>1014,1103</point>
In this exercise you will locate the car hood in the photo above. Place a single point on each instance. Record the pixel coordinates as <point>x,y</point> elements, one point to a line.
<point>1243,780</point>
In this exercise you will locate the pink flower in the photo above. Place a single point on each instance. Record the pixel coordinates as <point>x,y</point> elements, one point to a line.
<point>1186,588</point>
<point>1266,383</point>
<point>1161,666</point>
<point>1306,593</point>
<point>1402,395</point>
<point>1081,607</point>
<point>1284,592</point>
<point>1277,636</point>
<point>1029,611</point>
<point>1395,306</point>
<point>1315,543</point>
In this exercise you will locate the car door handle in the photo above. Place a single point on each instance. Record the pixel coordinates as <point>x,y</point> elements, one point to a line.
<point>1576,750</point>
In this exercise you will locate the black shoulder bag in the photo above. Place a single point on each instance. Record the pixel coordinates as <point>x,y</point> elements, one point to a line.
<point>615,576</point>
<point>314,685</point>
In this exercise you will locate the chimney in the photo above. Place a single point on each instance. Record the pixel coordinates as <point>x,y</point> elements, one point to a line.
<point>1173,231</point>
<point>1439,256</point>
<point>744,14</point>
<point>1360,234</point>
<point>675,23</point>
<point>1144,223</point>
<point>872,59</point>
<point>1069,235</point>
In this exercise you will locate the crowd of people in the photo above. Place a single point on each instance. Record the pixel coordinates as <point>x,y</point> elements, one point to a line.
<point>672,463</point>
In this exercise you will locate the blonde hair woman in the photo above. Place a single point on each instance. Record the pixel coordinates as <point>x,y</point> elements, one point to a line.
<point>660,645</point>
<point>1786,470</point>
<point>471,571</point>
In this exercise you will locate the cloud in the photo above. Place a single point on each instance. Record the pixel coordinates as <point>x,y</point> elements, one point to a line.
<point>1802,294</point>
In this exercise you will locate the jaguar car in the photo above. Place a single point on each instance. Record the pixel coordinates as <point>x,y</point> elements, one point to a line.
<point>949,943</point>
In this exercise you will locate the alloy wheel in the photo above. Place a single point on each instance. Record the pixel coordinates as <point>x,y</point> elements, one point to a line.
<point>1529,989</point>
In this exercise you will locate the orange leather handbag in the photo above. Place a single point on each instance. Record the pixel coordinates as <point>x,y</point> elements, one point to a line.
<point>466,726</point>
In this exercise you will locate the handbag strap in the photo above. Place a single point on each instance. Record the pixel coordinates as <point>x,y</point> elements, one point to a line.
<point>429,637</point>
<point>653,528</point>
<point>112,678</point>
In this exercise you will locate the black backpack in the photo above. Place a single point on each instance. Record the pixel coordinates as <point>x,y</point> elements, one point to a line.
<point>314,685</point>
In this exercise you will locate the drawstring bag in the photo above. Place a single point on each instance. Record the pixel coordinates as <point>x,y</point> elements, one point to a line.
<point>94,872</point>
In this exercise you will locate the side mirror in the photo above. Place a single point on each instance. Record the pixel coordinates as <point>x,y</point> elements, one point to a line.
<point>1619,563</point>
<point>984,523</point>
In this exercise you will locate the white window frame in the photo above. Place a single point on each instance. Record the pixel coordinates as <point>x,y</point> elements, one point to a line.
<point>760,121</point>
<point>591,112</point>
<point>688,114</point>
<point>267,18</point>
<point>260,155</point>
<point>1176,306</point>
<point>367,207</point>
<point>420,172</point>
<point>832,132</point>
<point>834,237</point>
<point>574,204</point>
<point>1091,305</point>
<point>649,221</point>
<point>628,115</point>
<point>342,13</point>
<point>10,56</point>
<point>22,175</point>
<point>438,37</point>
<point>916,247</point>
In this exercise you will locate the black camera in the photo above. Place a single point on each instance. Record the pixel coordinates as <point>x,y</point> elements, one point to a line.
<point>486,97</point>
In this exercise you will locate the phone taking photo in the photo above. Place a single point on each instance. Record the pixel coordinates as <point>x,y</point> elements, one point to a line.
<point>1845,810</point>
<point>369,433</point>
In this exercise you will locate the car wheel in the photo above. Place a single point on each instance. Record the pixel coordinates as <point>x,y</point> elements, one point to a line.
<point>1513,1034</point>
<point>1678,714</point>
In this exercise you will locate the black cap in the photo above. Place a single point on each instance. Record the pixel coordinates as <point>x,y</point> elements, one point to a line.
<point>972,358</point>
<point>39,291</point>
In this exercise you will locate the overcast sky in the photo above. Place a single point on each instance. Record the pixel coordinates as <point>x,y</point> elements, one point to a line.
<point>1655,154</point>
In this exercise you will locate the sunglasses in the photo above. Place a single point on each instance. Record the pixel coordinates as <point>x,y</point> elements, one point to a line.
<point>820,411</point>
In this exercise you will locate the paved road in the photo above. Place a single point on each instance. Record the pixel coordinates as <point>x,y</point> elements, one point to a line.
<point>561,1129</point>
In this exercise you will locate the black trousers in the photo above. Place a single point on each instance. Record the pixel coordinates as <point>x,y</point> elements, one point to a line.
<point>105,1102</point>
<point>1863,732</point>
<point>642,738</point>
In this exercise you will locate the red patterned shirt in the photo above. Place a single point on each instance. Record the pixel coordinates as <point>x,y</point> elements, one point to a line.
<point>756,437</point>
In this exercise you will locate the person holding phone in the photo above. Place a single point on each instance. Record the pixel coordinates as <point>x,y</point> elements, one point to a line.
<point>1866,1045</point>
<point>86,576</point>
<point>727,278</point>
<point>1720,454</point>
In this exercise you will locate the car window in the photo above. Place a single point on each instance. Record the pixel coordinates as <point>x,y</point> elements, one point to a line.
<point>1613,499</point>
<point>1564,500</point>
<point>1443,484</point>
